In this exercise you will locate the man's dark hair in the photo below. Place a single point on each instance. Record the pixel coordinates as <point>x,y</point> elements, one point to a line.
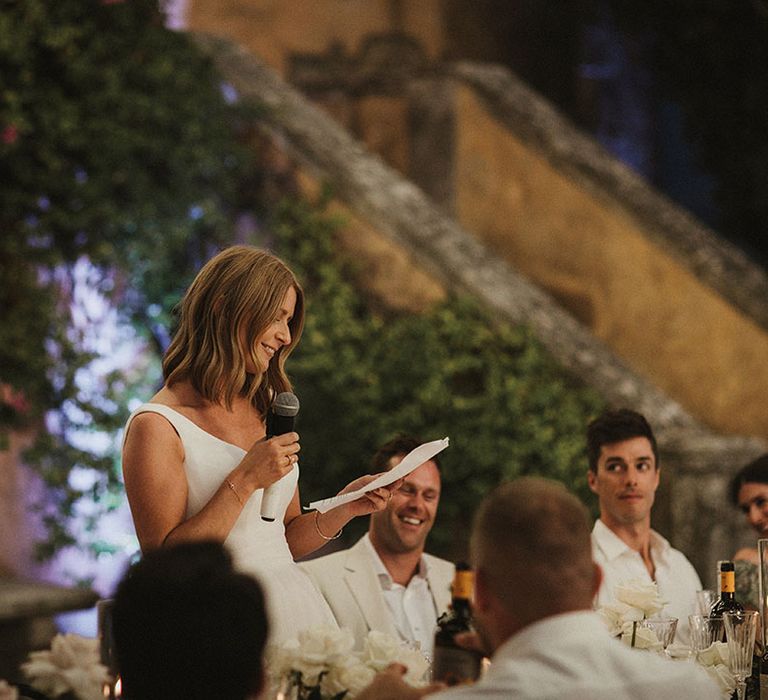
<point>754,472</point>
<point>187,626</point>
<point>400,445</point>
<point>617,426</point>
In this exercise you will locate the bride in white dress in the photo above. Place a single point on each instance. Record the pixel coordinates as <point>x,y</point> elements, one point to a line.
<point>195,458</point>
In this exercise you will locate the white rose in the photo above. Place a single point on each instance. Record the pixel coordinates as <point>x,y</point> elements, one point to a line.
<point>86,683</point>
<point>8,692</point>
<point>44,675</point>
<point>282,658</point>
<point>416,664</point>
<point>714,655</point>
<point>380,650</point>
<point>325,644</point>
<point>352,678</point>
<point>645,638</point>
<point>71,664</point>
<point>722,675</point>
<point>640,594</point>
<point>615,615</point>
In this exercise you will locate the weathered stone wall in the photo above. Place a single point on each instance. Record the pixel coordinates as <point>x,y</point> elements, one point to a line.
<point>676,304</point>
<point>692,508</point>
<point>660,290</point>
<point>276,29</point>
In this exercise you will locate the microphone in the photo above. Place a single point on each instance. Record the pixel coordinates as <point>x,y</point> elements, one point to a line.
<point>280,419</point>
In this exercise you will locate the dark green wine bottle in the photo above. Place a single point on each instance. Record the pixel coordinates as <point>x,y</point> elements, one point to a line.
<point>452,664</point>
<point>727,601</point>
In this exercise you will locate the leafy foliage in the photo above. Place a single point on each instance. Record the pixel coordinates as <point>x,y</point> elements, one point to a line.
<point>118,147</point>
<point>453,371</point>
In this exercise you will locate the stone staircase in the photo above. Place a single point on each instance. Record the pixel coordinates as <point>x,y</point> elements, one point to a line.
<point>393,211</point>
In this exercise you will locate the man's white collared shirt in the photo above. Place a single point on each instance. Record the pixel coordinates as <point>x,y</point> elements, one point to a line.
<point>572,657</point>
<point>412,607</point>
<point>676,578</point>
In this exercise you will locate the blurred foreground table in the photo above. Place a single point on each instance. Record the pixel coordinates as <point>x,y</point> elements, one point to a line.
<point>26,618</point>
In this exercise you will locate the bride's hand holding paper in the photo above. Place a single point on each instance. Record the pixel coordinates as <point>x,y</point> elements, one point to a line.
<point>377,486</point>
<point>368,501</point>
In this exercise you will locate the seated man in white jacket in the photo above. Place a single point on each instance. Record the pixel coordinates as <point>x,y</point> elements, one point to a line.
<point>385,581</point>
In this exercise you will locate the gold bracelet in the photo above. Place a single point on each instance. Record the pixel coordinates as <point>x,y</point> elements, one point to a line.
<point>319,532</point>
<point>234,490</point>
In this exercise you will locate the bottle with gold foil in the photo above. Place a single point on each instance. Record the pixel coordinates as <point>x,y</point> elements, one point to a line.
<point>727,601</point>
<point>452,664</point>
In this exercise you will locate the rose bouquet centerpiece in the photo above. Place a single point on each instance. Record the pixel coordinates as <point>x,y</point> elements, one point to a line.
<point>322,664</point>
<point>635,601</point>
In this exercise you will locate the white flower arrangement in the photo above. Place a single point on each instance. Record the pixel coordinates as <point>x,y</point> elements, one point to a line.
<point>635,600</point>
<point>71,665</point>
<point>714,660</point>
<point>322,664</point>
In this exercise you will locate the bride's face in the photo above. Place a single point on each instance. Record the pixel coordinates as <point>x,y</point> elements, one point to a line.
<point>277,334</point>
<point>753,502</point>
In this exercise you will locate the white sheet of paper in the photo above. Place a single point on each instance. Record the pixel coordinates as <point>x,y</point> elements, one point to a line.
<point>416,457</point>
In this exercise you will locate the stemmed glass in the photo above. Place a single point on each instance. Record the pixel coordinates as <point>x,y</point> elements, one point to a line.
<point>664,629</point>
<point>705,600</point>
<point>705,631</point>
<point>740,631</point>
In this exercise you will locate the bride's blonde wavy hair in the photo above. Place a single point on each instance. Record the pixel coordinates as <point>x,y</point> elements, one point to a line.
<point>235,297</point>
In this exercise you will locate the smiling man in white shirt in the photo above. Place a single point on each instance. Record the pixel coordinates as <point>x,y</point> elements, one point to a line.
<point>385,581</point>
<point>624,473</point>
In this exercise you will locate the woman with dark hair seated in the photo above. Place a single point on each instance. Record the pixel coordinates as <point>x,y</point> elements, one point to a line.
<point>749,492</point>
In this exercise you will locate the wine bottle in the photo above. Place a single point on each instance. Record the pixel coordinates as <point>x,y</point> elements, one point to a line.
<point>452,664</point>
<point>727,601</point>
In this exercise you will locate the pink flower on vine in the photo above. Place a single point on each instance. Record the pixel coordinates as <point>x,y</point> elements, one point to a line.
<point>10,134</point>
<point>15,399</point>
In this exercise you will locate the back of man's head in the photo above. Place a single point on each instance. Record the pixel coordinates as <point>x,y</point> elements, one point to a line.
<point>617,426</point>
<point>187,626</point>
<point>531,546</point>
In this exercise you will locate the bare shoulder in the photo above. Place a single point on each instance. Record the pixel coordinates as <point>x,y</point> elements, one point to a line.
<point>150,426</point>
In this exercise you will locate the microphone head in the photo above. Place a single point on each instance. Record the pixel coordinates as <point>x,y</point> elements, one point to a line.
<point>286,404</point>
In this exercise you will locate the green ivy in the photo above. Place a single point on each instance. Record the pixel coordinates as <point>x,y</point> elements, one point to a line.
<point>117,145</point>
<point>454,371</point>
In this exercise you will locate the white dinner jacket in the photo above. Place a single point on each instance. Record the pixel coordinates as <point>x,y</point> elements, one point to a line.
<point>349,583</point>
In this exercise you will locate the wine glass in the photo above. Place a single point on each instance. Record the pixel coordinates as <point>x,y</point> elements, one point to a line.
<point>705,631</point>
<point>664,628</point>
<point>740,631</point>
<point>705,600</point>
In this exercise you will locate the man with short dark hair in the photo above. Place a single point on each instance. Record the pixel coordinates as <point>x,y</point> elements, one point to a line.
<point>624,473</point>
<point>385,581</point>
<point>187,626</point>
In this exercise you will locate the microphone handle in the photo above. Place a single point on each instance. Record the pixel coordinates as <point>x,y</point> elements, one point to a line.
<point>276,425</point>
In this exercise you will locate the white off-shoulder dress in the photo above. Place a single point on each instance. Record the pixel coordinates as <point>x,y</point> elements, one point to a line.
<point>257,547</point>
